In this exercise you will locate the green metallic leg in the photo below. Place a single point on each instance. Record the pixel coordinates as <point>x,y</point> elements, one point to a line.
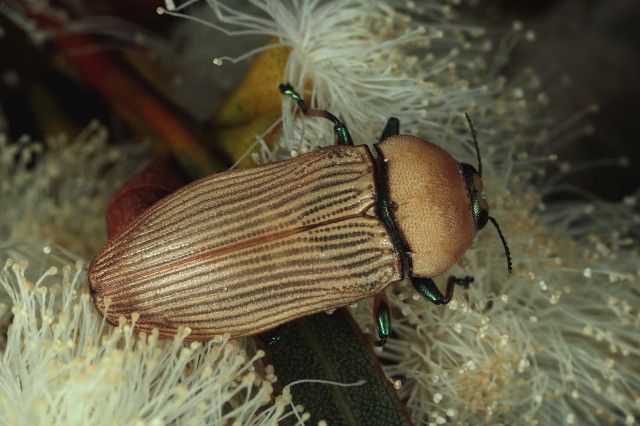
<point>342,135</point>
<point>391,129</point>
<point>287,90</point>
<point>339,128</point>
<point>428,288</point>
<point>382,317</point>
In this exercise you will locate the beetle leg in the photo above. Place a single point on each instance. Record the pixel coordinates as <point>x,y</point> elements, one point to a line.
<point>342,135</point>
<point>427,287</point>
<point>339,128</point>
<point>382,317</point>
<point>392,128</point>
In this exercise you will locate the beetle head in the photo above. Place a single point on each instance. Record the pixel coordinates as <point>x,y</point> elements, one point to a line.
<point>430,203</point>
<point>438,202</point>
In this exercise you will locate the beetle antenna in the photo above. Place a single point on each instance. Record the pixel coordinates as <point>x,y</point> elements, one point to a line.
<point>507,252</point>
<point>475,141</point>
<point>288,90</point>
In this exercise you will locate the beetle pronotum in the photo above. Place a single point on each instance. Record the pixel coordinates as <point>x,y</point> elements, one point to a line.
<point>244,251</point>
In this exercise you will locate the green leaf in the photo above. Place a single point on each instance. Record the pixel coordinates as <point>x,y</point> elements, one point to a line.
<point>332,348</point>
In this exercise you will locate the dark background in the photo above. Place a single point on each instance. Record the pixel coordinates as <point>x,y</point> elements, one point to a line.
<point>597,44</point>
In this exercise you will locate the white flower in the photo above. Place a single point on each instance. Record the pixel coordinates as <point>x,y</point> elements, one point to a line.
<point>62,365</point>
<point>349,51</point>
<point>55,193</point>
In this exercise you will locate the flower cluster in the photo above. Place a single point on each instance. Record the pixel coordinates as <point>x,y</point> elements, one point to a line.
<point>55,193</point>
<point>61,364</point>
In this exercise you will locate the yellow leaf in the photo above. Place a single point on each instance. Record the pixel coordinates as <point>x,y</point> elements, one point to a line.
<point>233,142</point>
<point>252,108</point>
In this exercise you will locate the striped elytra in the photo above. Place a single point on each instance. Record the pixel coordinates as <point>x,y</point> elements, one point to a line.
<point>244,251</point>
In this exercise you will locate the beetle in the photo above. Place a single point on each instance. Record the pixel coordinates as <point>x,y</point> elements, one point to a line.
<point>244,251</point>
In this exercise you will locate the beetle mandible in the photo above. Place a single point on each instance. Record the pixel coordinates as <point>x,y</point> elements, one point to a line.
<point>244,251</point>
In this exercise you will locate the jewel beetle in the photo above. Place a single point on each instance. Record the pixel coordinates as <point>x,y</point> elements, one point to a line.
<point>244,251</point>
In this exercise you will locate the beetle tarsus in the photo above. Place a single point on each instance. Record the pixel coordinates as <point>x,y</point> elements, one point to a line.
<point>452,281</point>
<point>288,90</point>
<point>342,135</point>
<point>382,316</point>
<point>427,288</point>
<point>339,128</point>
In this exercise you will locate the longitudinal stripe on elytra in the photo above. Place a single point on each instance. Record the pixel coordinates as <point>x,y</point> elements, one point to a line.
<point>242,269</point>
<point>281,295</point>
<point>248,190</point>
<point>238,307</point>
<point>225,261</point>
<point>238,262</point>
<point>257,281</point>
<point>246,195</point>
<point>254,208</point>
<point>249,204</point>
<point>260,312</point>
<point>200,332</point>
<point>202,281</point>
<point>210,237</point>
<point>130,271</point>
<point>211,223</point>
<point>206,229</point>
<point>114,247</point>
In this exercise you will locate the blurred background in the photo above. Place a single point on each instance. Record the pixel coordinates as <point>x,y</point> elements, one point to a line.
<point>586,52</point>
